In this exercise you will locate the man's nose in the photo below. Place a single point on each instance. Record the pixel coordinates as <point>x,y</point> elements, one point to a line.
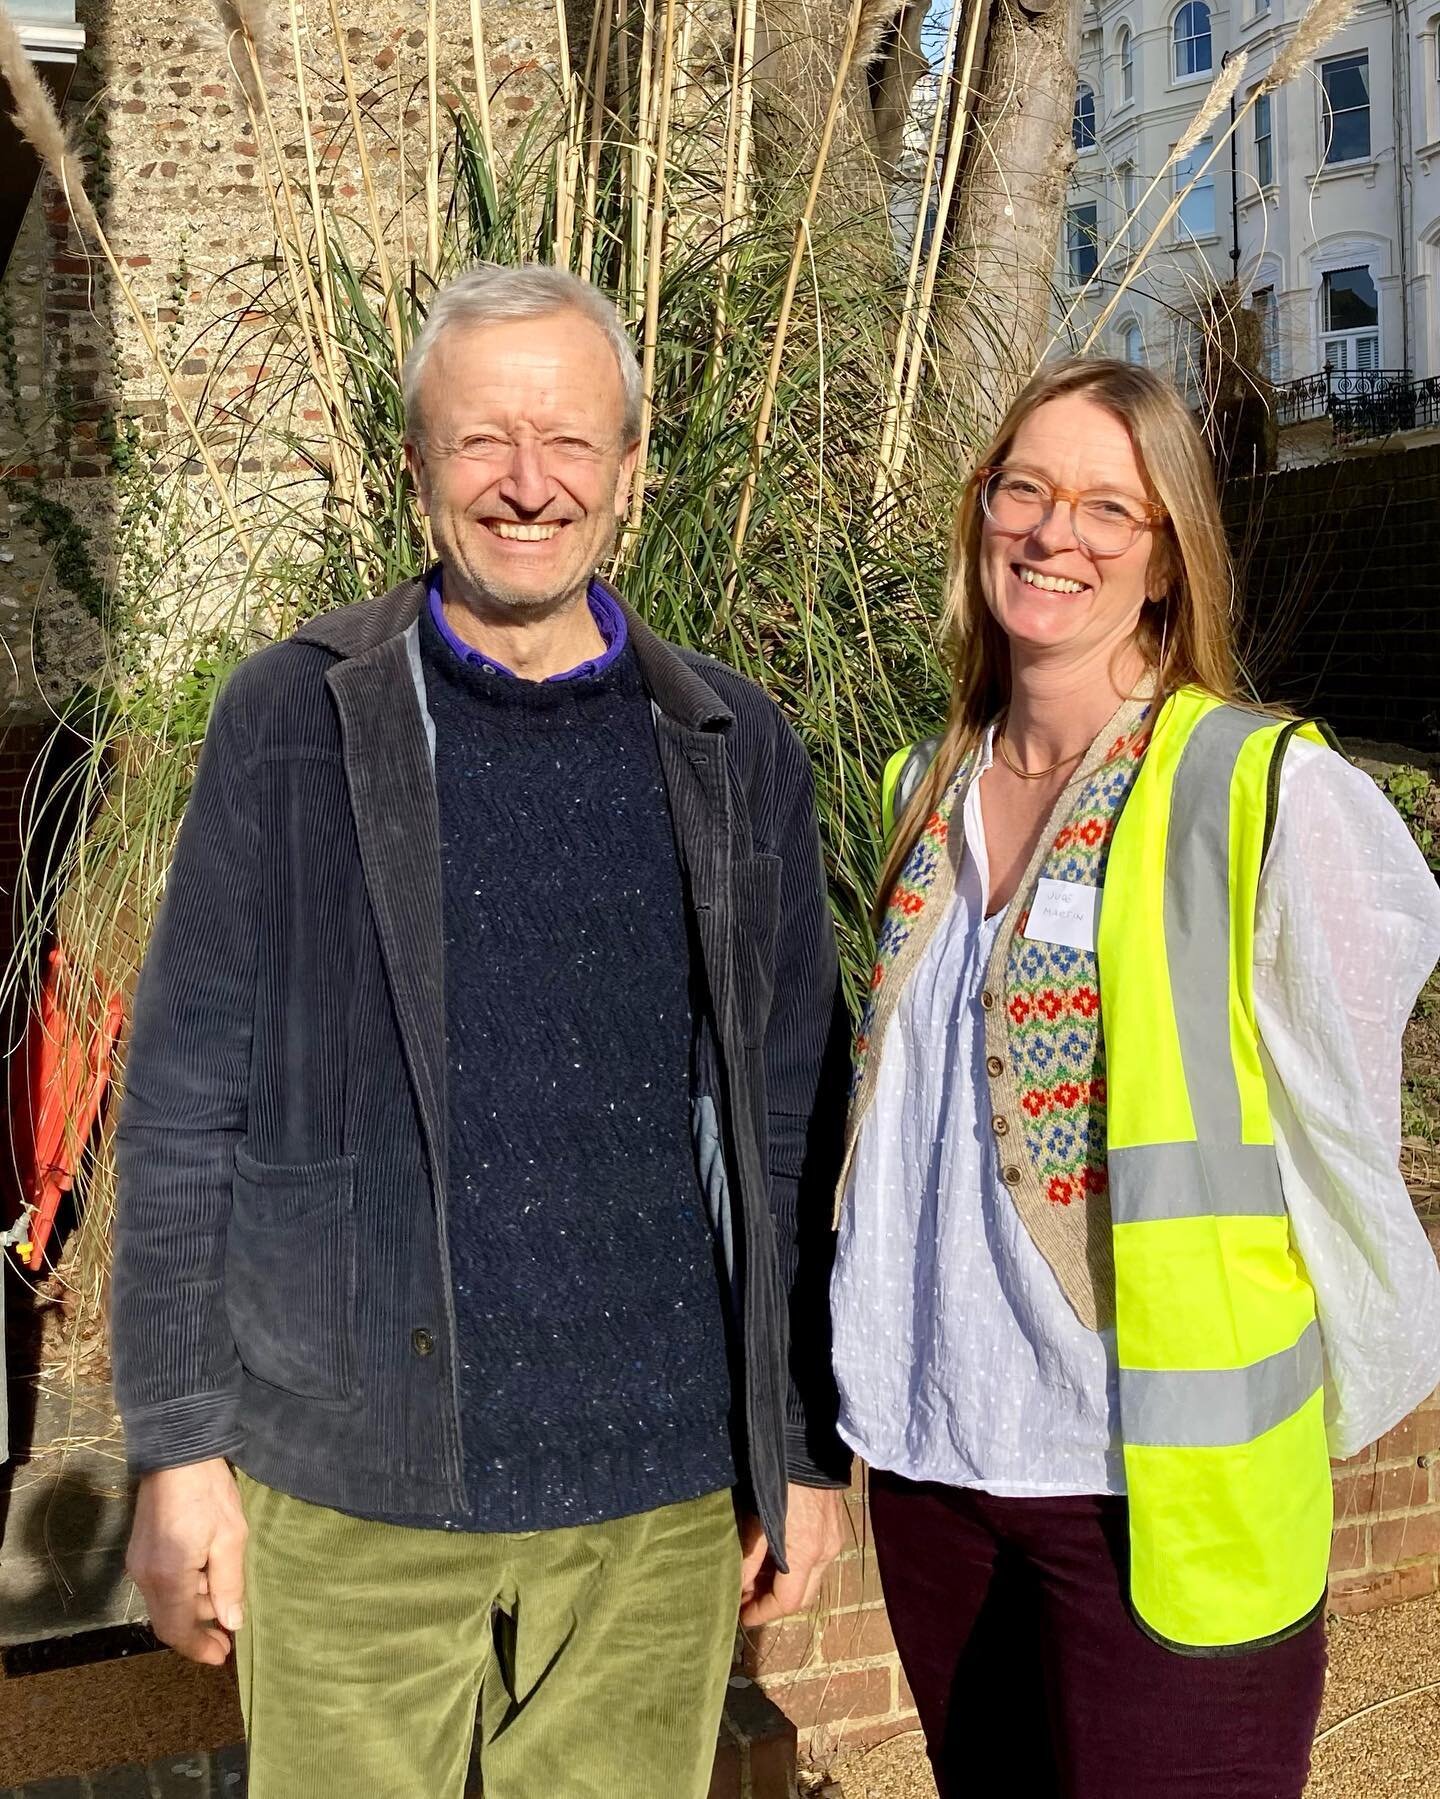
<point>525,483</point>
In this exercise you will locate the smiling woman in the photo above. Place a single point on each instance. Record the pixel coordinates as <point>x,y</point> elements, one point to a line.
<point>1095,1223</point>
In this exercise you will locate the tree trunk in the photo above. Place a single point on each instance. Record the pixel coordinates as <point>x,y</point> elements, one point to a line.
<point>994,315</point>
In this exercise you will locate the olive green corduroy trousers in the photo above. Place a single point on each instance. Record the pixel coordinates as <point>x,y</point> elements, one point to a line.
<point>587,1663</point>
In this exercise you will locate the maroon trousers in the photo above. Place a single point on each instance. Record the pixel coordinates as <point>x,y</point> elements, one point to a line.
<point>1032,1678</point>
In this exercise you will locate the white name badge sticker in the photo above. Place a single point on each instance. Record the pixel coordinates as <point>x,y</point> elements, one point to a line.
<point>1064,912</point>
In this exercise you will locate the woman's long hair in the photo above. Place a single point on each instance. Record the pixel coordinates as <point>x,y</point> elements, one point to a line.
<point>1185,629</point>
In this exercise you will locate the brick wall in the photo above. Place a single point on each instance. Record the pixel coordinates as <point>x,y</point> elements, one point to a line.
<point>837,1676</point>
<point>1340,578</point>
<point>1387,1511</point>
<point>180,185</point>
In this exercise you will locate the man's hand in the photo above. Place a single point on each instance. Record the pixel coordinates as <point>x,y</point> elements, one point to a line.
<point>187,1556</point>
<point>814,1536</point>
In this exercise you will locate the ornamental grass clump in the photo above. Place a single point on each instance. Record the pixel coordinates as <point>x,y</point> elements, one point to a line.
<point>767,339</point>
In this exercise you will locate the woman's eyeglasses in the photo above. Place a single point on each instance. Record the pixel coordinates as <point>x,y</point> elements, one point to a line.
<point>1107,524</point>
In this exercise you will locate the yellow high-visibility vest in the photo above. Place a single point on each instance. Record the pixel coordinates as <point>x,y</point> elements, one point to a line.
<point>1221,1371</point>
<point>1220,1366</point>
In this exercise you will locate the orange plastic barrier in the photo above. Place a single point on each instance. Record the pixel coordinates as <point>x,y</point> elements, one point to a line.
<point>65,1072</point>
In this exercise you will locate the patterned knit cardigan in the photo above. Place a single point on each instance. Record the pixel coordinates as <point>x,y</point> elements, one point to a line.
<point>1044,1051</point>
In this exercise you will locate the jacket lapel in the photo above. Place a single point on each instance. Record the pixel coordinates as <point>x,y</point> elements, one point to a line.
<point>392,794</point>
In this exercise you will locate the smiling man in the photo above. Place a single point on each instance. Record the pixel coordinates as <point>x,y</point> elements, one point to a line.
<point>487,1064</point>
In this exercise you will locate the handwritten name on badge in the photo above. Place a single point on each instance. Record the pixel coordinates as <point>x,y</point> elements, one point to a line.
<point>1064,912</point>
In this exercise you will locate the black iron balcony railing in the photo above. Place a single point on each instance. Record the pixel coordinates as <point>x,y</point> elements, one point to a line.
<point>1360,403</point>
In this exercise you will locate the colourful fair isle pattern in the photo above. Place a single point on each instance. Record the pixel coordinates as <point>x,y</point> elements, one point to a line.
<point>907,902</point>
<point>1057,1053</point>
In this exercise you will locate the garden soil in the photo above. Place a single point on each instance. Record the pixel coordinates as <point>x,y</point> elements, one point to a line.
<point>1379,1738</point>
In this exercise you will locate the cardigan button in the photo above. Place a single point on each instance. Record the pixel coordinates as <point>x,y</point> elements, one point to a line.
<point>422,1342</point>
<point>993,1065</point>
<point>1011,1176</point>
<point>999,1126</point>
<point>987,999</point>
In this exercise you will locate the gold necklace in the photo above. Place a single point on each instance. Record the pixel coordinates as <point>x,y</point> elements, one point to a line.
<point>1032,774</point>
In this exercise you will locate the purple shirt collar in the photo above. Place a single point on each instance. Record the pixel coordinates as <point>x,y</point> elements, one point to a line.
<point>609,621</point>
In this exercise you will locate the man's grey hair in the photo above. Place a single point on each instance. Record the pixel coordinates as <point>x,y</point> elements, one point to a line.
<point>490,294</point>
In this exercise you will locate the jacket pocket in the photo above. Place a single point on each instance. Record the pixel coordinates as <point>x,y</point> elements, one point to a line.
<point>756,889</point>
<point>290,1274</point>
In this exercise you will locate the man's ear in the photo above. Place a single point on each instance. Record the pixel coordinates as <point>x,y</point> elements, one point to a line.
<point>626,479</point>
<point>415,463</point>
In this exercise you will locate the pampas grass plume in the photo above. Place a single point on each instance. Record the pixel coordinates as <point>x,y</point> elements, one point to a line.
<point>38,122</point>
<point>1318,24</point>
<point>1222,91</point>
<point>249,21</point>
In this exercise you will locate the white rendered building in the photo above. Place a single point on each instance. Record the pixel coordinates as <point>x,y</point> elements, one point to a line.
<point>1325,208</point>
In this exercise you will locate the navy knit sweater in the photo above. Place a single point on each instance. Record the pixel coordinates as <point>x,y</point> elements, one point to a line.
<point>593,1364</point>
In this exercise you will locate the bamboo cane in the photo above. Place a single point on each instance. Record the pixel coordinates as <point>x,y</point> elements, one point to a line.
<point>405,250</point>
<point>597,131</point>
<point>782,325</point>
<point>564,170</point>
<point>432,145</point>
<point>482,83</point>
<point>309,315</point>
<point>730,219</point>
<point>921,324</point>
<point>377,229</point>
<point>949,105</point>
<point>640,185</point>
<point>654,257</point>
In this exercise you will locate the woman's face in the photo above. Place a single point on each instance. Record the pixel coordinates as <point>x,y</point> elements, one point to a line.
<point>1045,589</point>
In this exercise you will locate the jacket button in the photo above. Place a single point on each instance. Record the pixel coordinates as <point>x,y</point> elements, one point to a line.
<point>987,999</point>
<point>1000,1126</point>
<point>422,1342</point>
<point>993,1065</point>
<point>1012,1177</point>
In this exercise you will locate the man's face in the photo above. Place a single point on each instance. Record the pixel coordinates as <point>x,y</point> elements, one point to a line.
<point>521,463</point>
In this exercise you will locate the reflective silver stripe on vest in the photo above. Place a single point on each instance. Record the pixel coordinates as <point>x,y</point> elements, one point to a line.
<point>1197,916</point>
<point>1194,1180</point>
<point>1217,1176</point>
<point>1218,1408</point>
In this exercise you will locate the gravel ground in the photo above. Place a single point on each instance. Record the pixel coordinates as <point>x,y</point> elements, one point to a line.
<point>1390,1753</point>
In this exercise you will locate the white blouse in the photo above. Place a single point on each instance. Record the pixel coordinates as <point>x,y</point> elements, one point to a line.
<point>958,1357</point>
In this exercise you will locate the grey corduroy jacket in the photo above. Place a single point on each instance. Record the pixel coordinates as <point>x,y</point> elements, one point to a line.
<point>281,1292</point>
